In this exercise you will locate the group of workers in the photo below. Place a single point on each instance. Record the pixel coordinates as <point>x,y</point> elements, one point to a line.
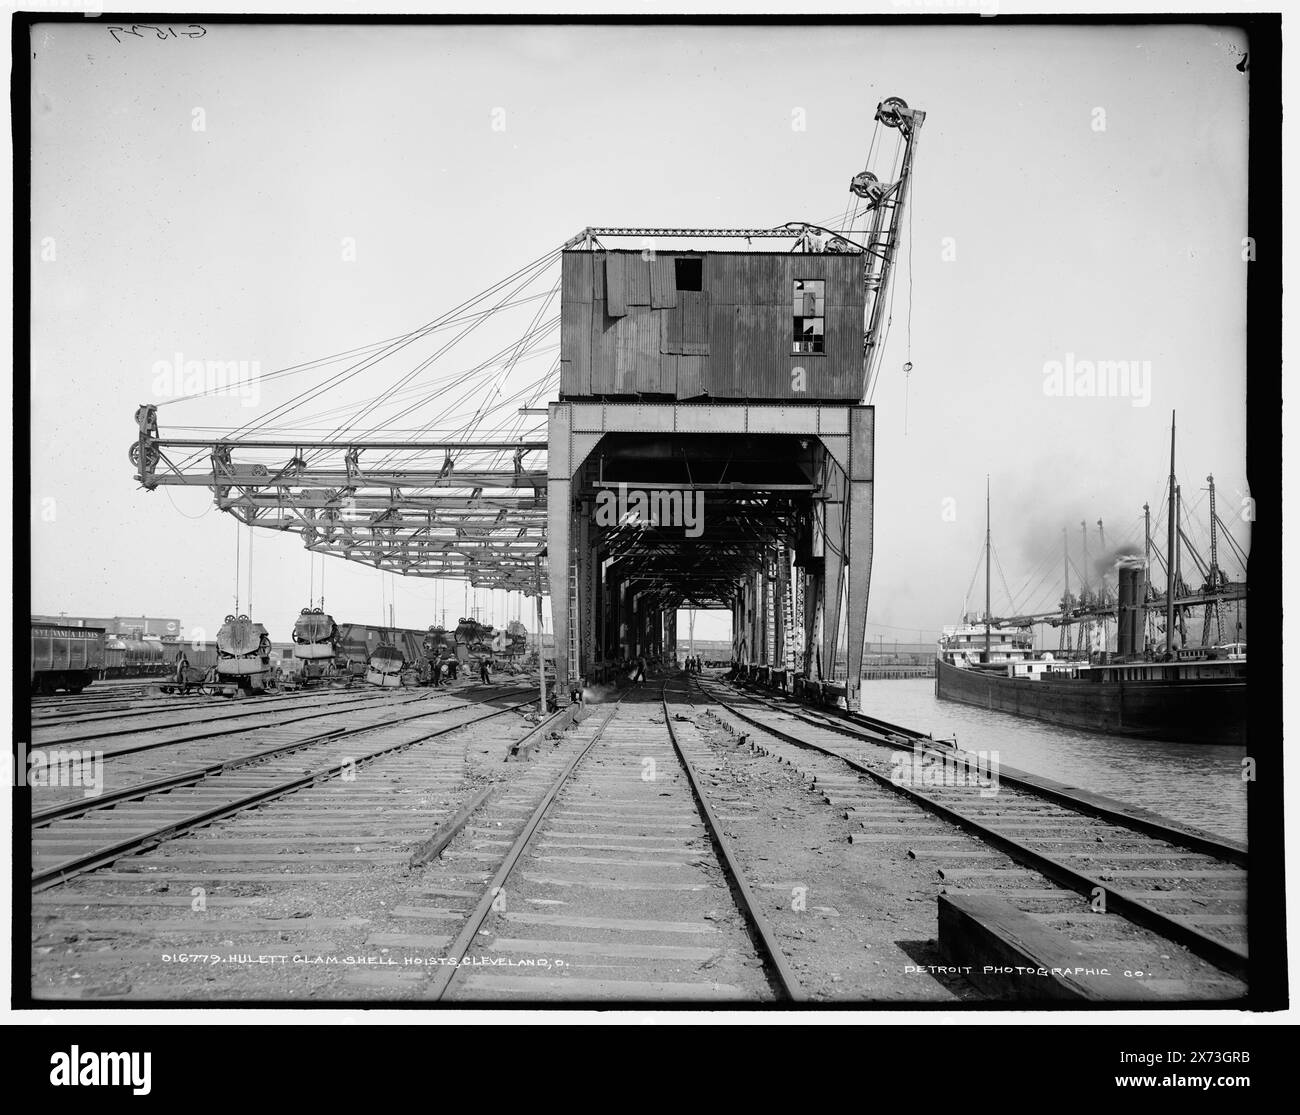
<point>450,667</point>
<point>694,664</point>
<point>443,668</point>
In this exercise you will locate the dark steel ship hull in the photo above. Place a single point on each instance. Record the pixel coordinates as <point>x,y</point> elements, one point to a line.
<point>1182,711</point>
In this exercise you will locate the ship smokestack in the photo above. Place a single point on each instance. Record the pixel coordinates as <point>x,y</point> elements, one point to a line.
<point>1132,595</point>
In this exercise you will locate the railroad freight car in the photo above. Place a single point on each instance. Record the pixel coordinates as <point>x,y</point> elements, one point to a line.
<point>65,657</point>
<point>384,656</point>
<point>127,657</point>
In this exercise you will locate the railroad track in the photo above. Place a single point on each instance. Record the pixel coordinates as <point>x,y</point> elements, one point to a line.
<point>1118,881</point>
<point>607,876</point>
<point>183,710</point>
<point>62,788</point>
<point>179,707</point>
<point>274,722</point>
<point>276,899</point>
<point>81,833</point>
<point>71,703</point>
<point>645,855</point>
<point>126,719</point>
<point>144,702</point>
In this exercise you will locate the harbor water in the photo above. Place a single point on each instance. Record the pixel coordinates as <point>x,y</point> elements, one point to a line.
<point>1192,783</point>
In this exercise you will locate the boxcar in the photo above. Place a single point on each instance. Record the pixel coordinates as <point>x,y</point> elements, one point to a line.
<point>399,652</point>
<point>65,657</point>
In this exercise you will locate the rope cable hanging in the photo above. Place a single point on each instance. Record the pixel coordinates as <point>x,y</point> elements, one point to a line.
<point>528,276</point>
<point>375,355</point>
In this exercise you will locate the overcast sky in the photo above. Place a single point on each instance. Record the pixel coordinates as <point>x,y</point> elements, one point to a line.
<point>1079,195</point>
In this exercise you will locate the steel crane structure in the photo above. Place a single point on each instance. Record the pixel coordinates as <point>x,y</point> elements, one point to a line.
<point>707,379</point>
<point>435,508</point>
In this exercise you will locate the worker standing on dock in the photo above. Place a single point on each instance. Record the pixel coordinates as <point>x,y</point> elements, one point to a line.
<point>485,669</point>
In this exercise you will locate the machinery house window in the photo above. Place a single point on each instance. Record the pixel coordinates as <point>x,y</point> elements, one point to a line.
<point>690,273</point>
<point>809,315</point>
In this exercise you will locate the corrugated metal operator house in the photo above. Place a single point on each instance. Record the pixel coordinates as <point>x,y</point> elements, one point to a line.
<point>712,325</point>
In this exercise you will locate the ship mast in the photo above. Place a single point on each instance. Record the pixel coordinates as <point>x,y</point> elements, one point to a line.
<point>1085,593</point>
<point>1146,556</point>
<point>1065,599</point>
<point>1101,591</point>
<point>1212,610</point>
<point>988,572</point>
<point>1173,526</point>
<point>1179,584</point>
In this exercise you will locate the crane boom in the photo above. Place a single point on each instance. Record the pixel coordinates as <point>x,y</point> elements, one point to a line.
<point>888,202</point>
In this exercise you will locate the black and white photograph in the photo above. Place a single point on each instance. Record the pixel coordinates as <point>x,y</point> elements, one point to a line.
<point>715,514</point>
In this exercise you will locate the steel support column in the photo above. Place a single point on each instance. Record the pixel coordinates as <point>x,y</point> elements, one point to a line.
<point>626,622</point>
<point>861,539</point>
<point>811,606</point>
<point>559,513</point>
<point>779,595</point>
<point>585,610</point>
<point>834,535</point>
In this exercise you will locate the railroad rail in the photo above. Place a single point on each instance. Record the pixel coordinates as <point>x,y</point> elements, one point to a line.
<point>1185,886</point>
<point>629,793</point>
<point>688,843</point>
<point>148,738</point>
<point>131,719</point>
<point>216,791</point>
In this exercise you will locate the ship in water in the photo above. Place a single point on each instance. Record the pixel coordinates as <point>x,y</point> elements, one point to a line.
<point>1143,688</point>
